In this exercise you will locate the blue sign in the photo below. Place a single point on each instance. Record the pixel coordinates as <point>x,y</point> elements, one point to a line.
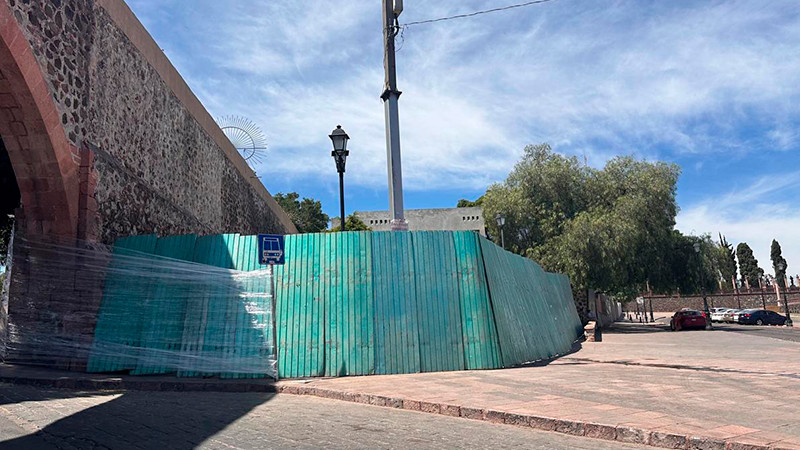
<point>270,249</point>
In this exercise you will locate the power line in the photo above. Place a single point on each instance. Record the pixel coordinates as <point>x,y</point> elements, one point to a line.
<point>476,13</point>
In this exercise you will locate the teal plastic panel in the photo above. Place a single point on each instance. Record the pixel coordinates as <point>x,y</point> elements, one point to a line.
<point>349,304</point>
<point>481,348</point>
<point>119,321</point>
<point>396,327</point>
<point>438,303</point>
<point>526,303</point>
<point>163,310</point>
<point>300,294</point>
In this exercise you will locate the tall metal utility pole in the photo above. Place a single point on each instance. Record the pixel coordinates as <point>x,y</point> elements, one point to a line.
<point>392,9</point>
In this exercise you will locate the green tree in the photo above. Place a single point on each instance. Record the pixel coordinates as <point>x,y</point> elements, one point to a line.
<point>778,259</point>
<point>306,214</point>
<point>609,229</point>
<point>748,265</point>
<point>353,224</point>
<point>726,261</point>
<point>464,203</point>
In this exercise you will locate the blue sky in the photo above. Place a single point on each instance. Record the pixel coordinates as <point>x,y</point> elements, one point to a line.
<point>711,85</point>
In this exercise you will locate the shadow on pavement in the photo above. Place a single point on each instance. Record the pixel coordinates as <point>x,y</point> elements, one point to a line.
<point>175,420</point>
<point>576,347</point>
<point>635,328</point>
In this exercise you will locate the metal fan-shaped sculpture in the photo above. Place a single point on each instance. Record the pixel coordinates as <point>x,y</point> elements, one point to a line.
<point>245,136</point>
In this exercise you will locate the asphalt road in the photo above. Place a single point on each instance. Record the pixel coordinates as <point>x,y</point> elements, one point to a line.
<point>32,418</point>
<point>783,333</point>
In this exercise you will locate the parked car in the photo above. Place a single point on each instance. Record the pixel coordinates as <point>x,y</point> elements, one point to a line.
<point>687,318</point>
<point>730,315</point>
<point>760,317</point>
<point>717,314</point>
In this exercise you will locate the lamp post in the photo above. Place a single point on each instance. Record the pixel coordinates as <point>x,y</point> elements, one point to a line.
<point>340,153</point>
<point>702,284</point>
<point>781,267</point>
<point>501,222</point>
<point>762,281</point>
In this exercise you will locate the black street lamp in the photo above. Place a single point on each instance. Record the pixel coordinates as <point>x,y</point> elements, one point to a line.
<point>340,153</point>
<point>702,284</point>
<point>501,222</point>
<point>781,267</point>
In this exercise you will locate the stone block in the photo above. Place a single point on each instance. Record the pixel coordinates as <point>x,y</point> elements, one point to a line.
<point>543,423</point>
<point>450,410</point>
<point>569,427</point>
<point>704,443</point>
<point>668,440</point>
<point>472,413</point>
<point>493,416</point>
<point>599,431</point>
<point>632,435</point>
<point>517,419</point>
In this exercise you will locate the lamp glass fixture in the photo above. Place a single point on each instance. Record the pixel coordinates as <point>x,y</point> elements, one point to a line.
<point>501,220</point>
<point>339,138</point>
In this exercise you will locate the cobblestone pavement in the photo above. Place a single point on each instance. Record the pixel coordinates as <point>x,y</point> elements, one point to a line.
<point>35,418</point>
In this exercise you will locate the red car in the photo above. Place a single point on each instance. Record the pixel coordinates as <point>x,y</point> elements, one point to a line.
<point>687,318</point>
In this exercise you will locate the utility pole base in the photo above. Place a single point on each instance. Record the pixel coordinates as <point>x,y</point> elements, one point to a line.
<point>399,225</point>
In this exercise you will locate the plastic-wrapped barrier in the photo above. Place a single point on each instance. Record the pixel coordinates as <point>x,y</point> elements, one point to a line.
<point>179,304</point>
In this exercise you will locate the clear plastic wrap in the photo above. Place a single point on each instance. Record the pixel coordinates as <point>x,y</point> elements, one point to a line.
<point>102,309</point>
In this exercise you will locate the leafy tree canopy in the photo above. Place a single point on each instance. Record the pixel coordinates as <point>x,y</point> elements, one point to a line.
<point>778,259</point>
<point>464,203</point>
<point>353,224</point>
<point>610,229</point>
<point>726,261</point>
<point>306,214</point>
<point>748,265</point>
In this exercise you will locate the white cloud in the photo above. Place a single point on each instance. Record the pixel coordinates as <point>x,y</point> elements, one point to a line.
<point>756,214</point>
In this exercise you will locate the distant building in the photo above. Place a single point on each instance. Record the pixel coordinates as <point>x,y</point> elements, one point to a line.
<point>441,219</point>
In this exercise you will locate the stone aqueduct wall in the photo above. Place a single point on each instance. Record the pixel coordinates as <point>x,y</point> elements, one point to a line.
<point>155,161</point>
<point>105,139</point>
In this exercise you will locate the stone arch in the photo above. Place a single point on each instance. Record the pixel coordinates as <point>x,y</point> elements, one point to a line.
<point>46,165</point>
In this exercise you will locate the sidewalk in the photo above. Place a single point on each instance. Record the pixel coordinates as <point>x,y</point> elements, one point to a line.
<point>709,390</point>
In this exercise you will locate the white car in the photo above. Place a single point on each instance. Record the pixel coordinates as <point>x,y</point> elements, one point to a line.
<point>731,316</point>
<point>717,314</point>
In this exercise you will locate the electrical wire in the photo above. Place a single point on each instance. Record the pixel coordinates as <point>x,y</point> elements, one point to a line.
<point>476,13</point>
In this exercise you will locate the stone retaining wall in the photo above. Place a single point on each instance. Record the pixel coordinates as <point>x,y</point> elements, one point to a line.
<point>722,300</point>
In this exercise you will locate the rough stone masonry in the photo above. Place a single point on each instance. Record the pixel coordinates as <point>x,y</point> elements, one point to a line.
<point>106,139</point>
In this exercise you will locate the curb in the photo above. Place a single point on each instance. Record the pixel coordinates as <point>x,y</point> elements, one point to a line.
<point>631,435</point>
<point>120,384</point>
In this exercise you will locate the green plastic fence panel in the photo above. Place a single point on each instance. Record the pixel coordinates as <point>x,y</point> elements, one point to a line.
<point>521,293</point>
<point>253,321</point>
<point>119,320</point>
<point>163,310</point>
<point>481,349</point>
<point>300,295</point>
<point>438,303</point>
<point>396,335</point>
<point>349,304</point>
<point>213,326</point>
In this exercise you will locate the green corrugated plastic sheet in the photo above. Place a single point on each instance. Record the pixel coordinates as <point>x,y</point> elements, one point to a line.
<point>534,311</point>
<point>359,303</point>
